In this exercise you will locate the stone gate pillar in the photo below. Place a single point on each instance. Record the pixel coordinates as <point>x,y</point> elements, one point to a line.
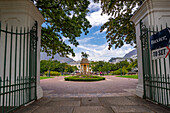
<point>152,13</point>
<point>21,13</point>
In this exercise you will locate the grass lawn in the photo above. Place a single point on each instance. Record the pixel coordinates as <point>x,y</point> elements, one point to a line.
<point>65,75</point>
<point>45,78</point>
<point>129,76</point>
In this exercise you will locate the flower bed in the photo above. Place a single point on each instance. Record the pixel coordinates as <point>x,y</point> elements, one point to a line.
<point>84,78</point>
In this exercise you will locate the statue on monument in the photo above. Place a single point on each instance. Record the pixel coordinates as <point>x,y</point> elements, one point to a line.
<point>84,64</point>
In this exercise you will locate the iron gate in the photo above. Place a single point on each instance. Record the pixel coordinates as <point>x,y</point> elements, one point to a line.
<point>156,78</point>
<point>18,82</point>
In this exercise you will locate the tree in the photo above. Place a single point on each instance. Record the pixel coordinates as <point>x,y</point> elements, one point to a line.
<point>84,55</point>
<point>75,68</point>
<point>101,69</point>
<point>67,19</point>
<point>61,67</point>
<point>119,28</point>
<point>101,66</point>
<point>93,66</point>
<point>43,66</point>
<point>68,68</point>
<point>63,19</point>
<point>107,67</point>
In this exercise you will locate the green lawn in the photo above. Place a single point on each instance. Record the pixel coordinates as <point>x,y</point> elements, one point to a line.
<point>65,75</point>
<point>129,76</point>
<point>45,78</point>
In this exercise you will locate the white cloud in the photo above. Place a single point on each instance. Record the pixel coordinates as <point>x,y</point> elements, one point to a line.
<point>96,19</point>
<point>83,40</point>
<point>101,52</point>
<point>98,32</point>
<point>94,6</point>
<point>65,39</point>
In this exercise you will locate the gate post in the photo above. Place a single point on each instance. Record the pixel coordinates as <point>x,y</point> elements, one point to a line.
<point>152,13</point>
<point>20,13</point>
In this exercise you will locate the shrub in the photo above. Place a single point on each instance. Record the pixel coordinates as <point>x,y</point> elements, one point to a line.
<point>53,73</point>
<point>118,72</point>
<point>84,78</point>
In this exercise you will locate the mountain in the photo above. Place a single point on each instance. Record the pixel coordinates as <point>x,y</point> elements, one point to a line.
<point>131,53</point>
<point>43,56</point>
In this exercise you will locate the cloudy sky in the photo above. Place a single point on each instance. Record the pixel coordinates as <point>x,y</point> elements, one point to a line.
<point>95,43</point>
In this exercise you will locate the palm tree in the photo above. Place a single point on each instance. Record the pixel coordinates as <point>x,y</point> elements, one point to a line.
<point>84,55</point>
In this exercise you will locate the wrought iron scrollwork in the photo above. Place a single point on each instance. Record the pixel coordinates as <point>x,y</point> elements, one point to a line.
<point>144,35</point>
<point>34,38</point>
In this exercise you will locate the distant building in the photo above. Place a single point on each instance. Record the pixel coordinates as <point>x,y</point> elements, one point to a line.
<point>118,59</point>
<point>131,55</point>
<point>134,57</point>
<point>78,65</point>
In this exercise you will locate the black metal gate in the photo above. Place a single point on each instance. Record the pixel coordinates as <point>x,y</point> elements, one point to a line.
<point>156,78</point>
<point>18,82</point>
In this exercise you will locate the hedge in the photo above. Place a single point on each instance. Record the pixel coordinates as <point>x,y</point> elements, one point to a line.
<point>84,78</point>
<point>52,73</point>
<point>118,72</point>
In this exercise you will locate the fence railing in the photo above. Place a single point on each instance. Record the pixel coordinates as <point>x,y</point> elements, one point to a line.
<point>18,59</point>
<point>155,71</point>
<point>157,88</point>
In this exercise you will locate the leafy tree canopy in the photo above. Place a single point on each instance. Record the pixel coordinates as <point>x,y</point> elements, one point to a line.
<point>63,19</point>
<point>67,19</point>
<point>54,65</point>
<point>119,27</point>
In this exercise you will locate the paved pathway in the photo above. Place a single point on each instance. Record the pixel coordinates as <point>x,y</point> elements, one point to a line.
<point>121,104</point>
<point>115,95</point>
<point>112,86</point>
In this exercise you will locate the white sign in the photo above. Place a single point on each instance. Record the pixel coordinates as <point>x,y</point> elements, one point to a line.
<point>160,53</point>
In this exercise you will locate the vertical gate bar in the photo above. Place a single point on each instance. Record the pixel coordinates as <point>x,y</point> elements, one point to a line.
<point>153,77</point>
<point>168,75</point>
<point>0,88</point>
<point>168,88</point>
<point>18,91</point>
<point>165,76</point>
<point>15,72</point>
<point>144,96</point>
<point>4,69</point>
<point>0,77</point>
<point>0,29</point>
<point>27,65</point>
<point>166,82</point>
<point>20,66</point>
<point>156,66</point>
<point>33,70</point>
<point>150,83</point>
<point>23,64</point>
<point>10,66</point>
<point>36,60</point>
<point>30,70</point>
<point>7,88</point>
<point>161,79</point>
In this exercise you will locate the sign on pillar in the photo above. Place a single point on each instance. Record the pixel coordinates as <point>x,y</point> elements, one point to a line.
<point>159,44</point>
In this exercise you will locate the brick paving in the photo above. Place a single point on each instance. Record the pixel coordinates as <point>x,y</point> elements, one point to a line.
<point>114,95</point>
<point>118,104</point>
<point>112,86</point>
